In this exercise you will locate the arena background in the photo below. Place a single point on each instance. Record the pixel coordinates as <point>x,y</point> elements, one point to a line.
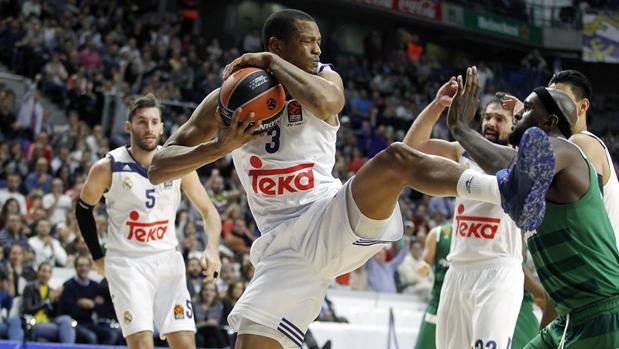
<point>69,67</point>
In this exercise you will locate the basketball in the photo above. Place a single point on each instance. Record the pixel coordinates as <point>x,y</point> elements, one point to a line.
<point>255,90</point>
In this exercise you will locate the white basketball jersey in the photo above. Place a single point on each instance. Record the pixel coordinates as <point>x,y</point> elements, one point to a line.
<point>611,191</point>
<point>141,216</point>
<point>288,169</point>
<point>482,230</point>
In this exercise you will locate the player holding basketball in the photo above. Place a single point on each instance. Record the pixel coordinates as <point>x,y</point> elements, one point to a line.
<point>145,272</point>
<point>314,228</point>
<point>574,248</point>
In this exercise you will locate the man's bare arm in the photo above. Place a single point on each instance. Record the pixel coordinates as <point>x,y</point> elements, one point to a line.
<point>192,147</point>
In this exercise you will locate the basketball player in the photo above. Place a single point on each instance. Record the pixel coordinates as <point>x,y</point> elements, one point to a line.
<point>314,228</point>
<point>576,85</point>
<point>485,252</point>
<point>145,272</point>
<point>574,248</point>
<point>438,242</point>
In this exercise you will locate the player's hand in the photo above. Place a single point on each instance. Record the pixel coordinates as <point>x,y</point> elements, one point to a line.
<point>465,102</point>
<point>260,60</point>
<point>238,132</point>
<point>512,103</point>
<point>100,266</point>
<point>211,264</point>
<point>422,268</point>
<point>445,94</point>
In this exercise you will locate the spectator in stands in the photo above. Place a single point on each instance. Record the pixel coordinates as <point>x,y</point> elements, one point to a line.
<point>208,312</point>
<point>410,280</point>
<point>20,273</point>
<point>40,178</point>
<point>106,314</point>
<point>55,79</point>
<point>240,238</point>
<point>381,273</point>
<point>227,277</point>
<point>40,301</point>
<point>13,233</point>
<point>10,325</point>
<point>7,114</point>
<point>11,206</point>
<point>234,292</point>
<point>57,203</point>
<point>194,276</point>
<point>80,299</point>
<point>13,183</point>
<point>46,248</point>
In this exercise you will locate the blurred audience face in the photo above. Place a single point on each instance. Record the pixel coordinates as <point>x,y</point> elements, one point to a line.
<point>194,268</point>
<point>44,273</point>
<point>208,292</point>
<point>43,228</point>
<point>416,250</point>
<point>13,182</point>
<point>496,123</point>
<point>16,255</point>
<point>57,186</point>
<point>83,266</point>
<point>41,166</point>
<point>13,223</point>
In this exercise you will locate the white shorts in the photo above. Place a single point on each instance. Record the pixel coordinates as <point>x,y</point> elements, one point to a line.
<point>150,288</point>
<point>295,263</point>
<point>479,305</point>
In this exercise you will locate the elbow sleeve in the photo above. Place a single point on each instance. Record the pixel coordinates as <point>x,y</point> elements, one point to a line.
<point>88,227</point>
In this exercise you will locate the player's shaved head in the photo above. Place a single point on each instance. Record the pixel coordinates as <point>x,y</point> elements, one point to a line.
<point>566,105</point>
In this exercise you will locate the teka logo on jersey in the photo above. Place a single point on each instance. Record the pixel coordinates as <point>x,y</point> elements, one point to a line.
<point>145,232</point>
<point>475,226</point>
<point>278,181</point>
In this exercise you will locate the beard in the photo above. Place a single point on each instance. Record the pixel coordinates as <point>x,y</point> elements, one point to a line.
<point>494,137</point>
<point>515,136</point>
<point>146,146</point>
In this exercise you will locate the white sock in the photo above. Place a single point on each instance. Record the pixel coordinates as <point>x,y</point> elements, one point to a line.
<point>362,225</point>
<point>474,185</point>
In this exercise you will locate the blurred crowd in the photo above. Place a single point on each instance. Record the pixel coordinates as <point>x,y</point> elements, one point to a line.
<point>89,58</point>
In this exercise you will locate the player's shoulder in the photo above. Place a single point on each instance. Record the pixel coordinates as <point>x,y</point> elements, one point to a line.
<point>102,167</point>
<point>588,142</point>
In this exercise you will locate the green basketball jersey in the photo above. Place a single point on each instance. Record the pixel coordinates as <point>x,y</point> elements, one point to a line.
<point>575,252</point>
<point>440,264</point>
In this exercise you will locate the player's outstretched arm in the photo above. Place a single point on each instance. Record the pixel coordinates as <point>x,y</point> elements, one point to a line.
<point>489,156</point>
<point>98,181</point>
<point>322,94</point>
<point>192,146</point>
<point>420,132</point>
<point>212,222</point>
<point>429,251</point>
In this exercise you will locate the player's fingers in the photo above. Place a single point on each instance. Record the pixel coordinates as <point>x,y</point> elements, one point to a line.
<point>236,116</point>
<point>469,81</point>
<point>476,84</point>
<point>460,86</point>
<point>253,128</point>
<point>246,124</point>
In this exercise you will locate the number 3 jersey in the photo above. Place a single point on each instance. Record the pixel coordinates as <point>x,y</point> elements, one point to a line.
<point>289,168</point>
<point>141,216</point>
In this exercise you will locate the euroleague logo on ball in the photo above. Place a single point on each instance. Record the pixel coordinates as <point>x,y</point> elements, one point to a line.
<point>271,103</point>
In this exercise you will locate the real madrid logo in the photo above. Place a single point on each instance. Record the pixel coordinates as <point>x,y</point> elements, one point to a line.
<point>127,183</point>
<point>127,317</point>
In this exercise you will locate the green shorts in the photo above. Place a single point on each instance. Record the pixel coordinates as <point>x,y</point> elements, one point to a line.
<point>527,326</point>
<point>593,326</point>
<point>426,339</point>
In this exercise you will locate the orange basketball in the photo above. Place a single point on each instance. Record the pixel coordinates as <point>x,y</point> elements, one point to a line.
<point>255,90</point>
